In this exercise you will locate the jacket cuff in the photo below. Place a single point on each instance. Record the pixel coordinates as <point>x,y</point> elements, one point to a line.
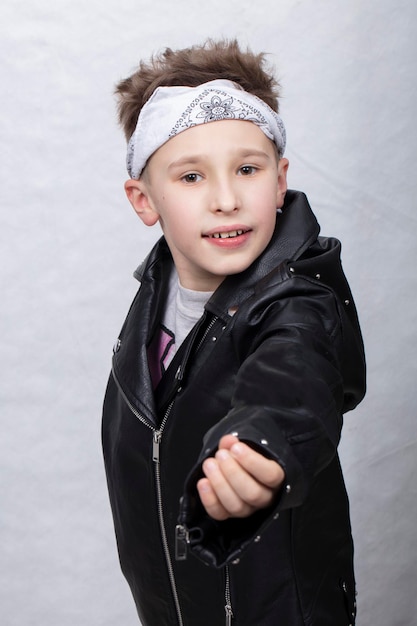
<point>220,543</point>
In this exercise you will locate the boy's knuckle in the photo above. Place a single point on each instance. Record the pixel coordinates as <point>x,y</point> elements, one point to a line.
<point>238,509</point>
<point>255,495</point>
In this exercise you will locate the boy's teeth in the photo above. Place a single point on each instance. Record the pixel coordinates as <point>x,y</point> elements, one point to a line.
<point>231,233</point>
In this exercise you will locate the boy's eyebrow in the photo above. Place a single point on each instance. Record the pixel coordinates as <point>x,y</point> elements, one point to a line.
<point>194,159</point>
<point>186,160</point>
<point>244,154</point>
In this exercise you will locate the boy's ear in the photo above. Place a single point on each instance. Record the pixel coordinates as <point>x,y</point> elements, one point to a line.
<point>282,181</point>
<point>138,196</point>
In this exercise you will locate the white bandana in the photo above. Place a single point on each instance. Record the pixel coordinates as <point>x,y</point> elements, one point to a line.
<point>171,110</point>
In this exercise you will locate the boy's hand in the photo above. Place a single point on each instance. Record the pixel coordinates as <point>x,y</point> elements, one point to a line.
<point>238,481</point>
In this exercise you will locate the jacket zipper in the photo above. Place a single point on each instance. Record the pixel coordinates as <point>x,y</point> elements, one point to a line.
<point>182,540</point>
<point>157,437</point>
<point>228,605</point>
<point>180,372</point>
<point>206,332</point>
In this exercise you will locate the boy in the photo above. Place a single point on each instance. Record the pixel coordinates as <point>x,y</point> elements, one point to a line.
<point>236,362</point>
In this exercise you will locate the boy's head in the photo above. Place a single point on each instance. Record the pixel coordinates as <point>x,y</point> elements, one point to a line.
<point>205,159</point>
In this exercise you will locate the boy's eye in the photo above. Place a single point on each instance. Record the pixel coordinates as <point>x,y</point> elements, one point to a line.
<point>247,170</point>
<point>192,177</point>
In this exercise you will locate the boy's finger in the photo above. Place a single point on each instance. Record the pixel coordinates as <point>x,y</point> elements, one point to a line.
<point>227,441</point>
<point>266,471</point>
<point>219,476</point>
<point>210,501</point>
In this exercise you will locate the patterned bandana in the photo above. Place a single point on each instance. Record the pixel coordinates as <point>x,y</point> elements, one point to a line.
<point>171,110</point>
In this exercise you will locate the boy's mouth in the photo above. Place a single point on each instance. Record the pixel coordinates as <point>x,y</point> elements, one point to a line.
<point>230,234</point>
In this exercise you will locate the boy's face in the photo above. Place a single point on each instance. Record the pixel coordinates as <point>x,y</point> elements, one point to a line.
<point>215,189</point>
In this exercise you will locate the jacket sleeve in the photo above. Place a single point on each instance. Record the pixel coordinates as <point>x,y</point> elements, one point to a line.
<point>288,402</point>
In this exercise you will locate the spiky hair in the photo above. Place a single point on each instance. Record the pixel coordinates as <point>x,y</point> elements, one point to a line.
<point>191,67</point>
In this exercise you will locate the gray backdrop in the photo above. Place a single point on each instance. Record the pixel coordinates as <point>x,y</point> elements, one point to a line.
<point>70,241</point>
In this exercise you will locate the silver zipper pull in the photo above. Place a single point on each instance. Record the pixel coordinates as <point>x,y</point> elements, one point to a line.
<point>229,614</point>
<point>157,435</point>
<point>181,542</point>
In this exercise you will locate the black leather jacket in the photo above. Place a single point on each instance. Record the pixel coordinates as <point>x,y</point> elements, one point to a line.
<point>280,372</point>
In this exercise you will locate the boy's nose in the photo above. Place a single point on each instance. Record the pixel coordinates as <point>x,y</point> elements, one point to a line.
<point>225,198</point>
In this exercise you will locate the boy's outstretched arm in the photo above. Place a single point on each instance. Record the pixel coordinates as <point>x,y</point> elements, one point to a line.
<point>238,480</point>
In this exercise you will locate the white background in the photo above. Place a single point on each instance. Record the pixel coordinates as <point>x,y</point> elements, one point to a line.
<point>70,241</point>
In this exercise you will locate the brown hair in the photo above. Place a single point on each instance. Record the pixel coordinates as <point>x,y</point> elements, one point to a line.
<point>192,67</point>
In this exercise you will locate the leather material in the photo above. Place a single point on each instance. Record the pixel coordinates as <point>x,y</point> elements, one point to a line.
<point>280,372</point>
